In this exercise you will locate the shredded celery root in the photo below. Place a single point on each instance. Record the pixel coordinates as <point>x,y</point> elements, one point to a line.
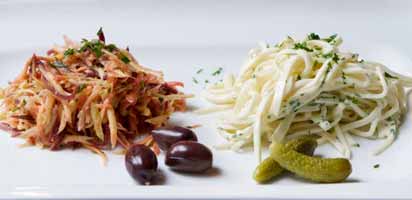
<point>92,95</point>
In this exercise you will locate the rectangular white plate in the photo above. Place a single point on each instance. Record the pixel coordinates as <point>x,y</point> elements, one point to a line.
<point>179,37</point>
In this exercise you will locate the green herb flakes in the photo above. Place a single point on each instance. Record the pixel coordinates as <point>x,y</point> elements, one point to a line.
<point>302,46</point>
<point>94,45</point>
<point>387,75</point>
<point>217,72</point>
<point>124,58</point>
<point>80,88</point>
<point>313,36</point>
<point>111,47</point>
<point>331,38</point>
<point>195,80</point>
<point>332,55</point>
<point>68,52</point>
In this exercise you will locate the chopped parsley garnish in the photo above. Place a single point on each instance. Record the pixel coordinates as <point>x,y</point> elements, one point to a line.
<point>387,75</point>
<point>58,64</point>
<point>68,52</point>
<point>24,102</point>
<point>376,166</point>
<point>302,46</point>
<point>111,47</point>
<point>356,145</point>
<point>206,81</point>
<point>327,71</point>
<point>354,56</point>
<point>199,71</point>
<point>354,100</point>
<point>217,72</point>
<point>332,55</point>
<point>94,45</point>
<point>195,80</point>
<point>331,38</point>
<point>317,48</point>
<point>344,78</point>
<point>80,88</point>
<point>124,58</point>
<point>313,36</point>
<point>294,104</point>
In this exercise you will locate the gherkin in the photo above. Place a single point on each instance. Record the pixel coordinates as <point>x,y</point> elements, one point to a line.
<point>269,168</point>
<point>325,170</point>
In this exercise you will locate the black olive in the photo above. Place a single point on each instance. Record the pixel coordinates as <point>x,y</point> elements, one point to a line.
<point>167,136</point>
<point>189,156</point>
<point>141,163</point>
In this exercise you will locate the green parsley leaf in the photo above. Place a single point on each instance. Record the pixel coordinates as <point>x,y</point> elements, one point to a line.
<point>217,72</point>
<point>94,45</point>
<point>356,145</point>
<point>313,36</point>
<point>199,71</point>
<point>302,46</point>
<point>331,38</point>
<point>124,58</point>
<point>80,88</point>
<point>376,166</point>
<point>387,75</point>
<point>332,55</point>
<point>195,80</point>
<point>111,47</point>
<point>68,52</point>
<point>354,100</point>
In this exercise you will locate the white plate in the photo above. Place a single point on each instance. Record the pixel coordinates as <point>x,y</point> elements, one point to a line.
<point>179,37</point>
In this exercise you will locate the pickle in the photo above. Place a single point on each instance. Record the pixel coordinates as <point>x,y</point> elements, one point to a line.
<point>269,168</point>
<point>325,170</point>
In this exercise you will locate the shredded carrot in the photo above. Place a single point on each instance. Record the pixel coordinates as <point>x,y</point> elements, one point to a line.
<point>93,94</point>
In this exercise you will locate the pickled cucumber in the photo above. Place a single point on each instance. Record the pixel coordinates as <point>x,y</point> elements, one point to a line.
<point>325,170</point>
<point>269,168</point>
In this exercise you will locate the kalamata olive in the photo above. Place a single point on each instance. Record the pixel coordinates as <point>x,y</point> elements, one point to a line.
<point>167,136</point>
<point>141,163</point>
<point>189,156</point>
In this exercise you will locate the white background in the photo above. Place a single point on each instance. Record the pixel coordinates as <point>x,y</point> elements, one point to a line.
<point>180,37</point>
